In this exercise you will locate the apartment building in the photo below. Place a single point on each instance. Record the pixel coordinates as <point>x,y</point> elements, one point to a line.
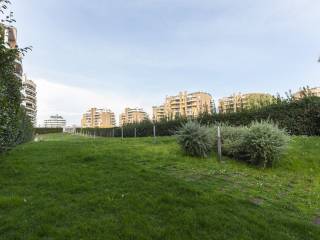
<point>10,41</point>
<point>158,113</point>
<point>98,118</point>
<point>29,98</point>
<point>239,102</point>
<point>184,105</point>
<point>55,121</point>
<point>132,115</point>
<point>10,35</point>
<point>307,92</point>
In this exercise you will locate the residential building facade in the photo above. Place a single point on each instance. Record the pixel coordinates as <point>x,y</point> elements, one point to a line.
<point>239,102</point>
<point>98,118</point>
<point>132,115</point>
<point>29,98</point>
<point>55,121</point>
<point>307,92</point>
<point>158,113</point>
<point>185,104</point>
<point>10,41</point>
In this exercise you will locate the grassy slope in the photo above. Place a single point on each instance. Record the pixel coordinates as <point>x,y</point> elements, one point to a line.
<point>68,187</point>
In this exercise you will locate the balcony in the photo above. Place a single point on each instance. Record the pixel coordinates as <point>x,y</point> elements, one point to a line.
<point>18,75</point>
<point>29,94</point>
<point>18,61</point>
<point>175,103</point>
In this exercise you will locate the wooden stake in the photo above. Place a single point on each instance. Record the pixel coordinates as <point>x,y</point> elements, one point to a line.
<point>219,144</point>
<point>154,134</point>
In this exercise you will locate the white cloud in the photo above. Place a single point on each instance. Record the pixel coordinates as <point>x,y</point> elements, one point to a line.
<point>133,50</point>
<point>71,102</point>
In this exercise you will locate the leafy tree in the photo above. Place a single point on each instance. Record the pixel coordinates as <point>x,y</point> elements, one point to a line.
<point>10,96</point>
<point>15,126</point>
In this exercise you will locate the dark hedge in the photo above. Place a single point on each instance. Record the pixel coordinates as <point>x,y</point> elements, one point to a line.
<point>297,117</point>
<point>47,130</point>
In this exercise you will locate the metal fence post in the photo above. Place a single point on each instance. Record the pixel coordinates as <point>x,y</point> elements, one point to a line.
<point>112,132</point>
<point>219,144</point>
<point>135,132</point>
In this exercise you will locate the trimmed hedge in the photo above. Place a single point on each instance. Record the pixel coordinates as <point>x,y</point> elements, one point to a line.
<point>41,131</point>
<point>144,129</point>
<point>300,117</point>
<point>296,117</point>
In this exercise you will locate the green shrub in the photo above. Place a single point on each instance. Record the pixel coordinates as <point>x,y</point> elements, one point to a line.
<point>259,144</point>
<point>195,140</point>
<point>15,125</point>
<point>232,140</point>
<point>264,143</point>
<point>10,96</point>
<point>25,127</point>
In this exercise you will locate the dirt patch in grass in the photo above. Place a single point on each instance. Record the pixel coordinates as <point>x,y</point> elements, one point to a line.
<point>317,220</point>
<point>257,201</point>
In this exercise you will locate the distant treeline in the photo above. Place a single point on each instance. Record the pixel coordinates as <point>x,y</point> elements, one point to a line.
<point>297,117</point>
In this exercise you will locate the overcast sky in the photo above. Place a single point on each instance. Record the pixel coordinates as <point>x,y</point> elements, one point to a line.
<point>132,53</point>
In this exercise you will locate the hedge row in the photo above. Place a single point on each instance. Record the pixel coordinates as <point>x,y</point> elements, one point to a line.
<point>300,117</point>
<point>15,125</point>
<point>296,117</point>
<point>47,130</point>
<point>144,129</point>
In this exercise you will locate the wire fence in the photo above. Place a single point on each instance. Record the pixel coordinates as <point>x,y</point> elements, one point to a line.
<point>128,131</point>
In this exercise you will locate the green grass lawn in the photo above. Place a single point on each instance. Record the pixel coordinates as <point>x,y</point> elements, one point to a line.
<point>70,187</point>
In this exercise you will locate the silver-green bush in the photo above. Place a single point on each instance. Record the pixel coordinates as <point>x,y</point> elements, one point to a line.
<point>232,140</point>
<point>195,140</point>
<point>264,143</point>
<point>260,144</point>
